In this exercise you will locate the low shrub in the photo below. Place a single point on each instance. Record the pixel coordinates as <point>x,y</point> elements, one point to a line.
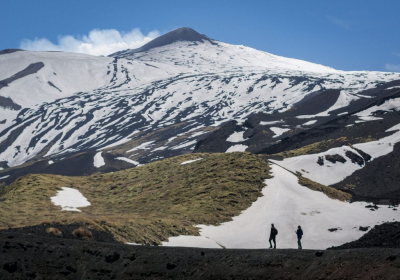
<point>82,233</point>
<point>54,231</point>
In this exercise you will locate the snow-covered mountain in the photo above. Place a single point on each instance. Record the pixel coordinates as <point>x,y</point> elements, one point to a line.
<point>137,106</point>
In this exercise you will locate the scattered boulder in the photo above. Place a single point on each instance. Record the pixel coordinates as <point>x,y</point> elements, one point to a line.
<point>320,161</point>
<point>334,229</point>
<point>363,228</point>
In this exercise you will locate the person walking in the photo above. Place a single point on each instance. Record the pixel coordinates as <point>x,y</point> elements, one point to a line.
<point>272,236</point>
<point>299,233</point>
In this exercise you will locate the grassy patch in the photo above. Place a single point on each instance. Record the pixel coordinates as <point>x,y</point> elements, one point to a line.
<point>329,191</point>
<point>322,146</point>
<point>146,204</point>
<point>314,148</point>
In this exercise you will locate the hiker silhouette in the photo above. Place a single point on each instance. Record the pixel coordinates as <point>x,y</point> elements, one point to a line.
<point>272,236</point>
<point>299,233</point>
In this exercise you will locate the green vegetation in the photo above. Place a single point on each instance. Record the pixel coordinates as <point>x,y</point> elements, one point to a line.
<point>146,204</point>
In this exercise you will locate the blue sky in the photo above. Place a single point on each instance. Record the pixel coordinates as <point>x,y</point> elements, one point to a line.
<point>346,35</point>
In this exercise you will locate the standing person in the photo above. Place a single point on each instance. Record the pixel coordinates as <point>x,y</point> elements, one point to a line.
<point>299,233</point>
<point>272,236</point>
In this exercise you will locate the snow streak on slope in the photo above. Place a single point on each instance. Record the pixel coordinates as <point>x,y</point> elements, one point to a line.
<point>288,204</point>
<point>203,83</point>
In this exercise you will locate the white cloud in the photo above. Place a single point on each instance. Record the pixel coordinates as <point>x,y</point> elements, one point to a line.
<point>392,67</point>
<point>97,42</point>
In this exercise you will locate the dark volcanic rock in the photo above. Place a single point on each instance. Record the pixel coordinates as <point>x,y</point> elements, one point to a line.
<point>8,103</point>
<point>10,267</point>
<point>355,158</point>
<point>334,158</point>
<point>386,235</point>
<point>36,257</point>
<point>365,156</point>
<point>31,69</point>
<point>320,161</point>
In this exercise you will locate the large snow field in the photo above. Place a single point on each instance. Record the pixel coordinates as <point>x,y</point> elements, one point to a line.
<point>288,204</point>
<point>70,200</point>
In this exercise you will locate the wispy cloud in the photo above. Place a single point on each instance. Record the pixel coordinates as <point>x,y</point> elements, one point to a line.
<point>345,24</point>
<point>397,54</point>
<point>97,42</point>
<point>392,67</point>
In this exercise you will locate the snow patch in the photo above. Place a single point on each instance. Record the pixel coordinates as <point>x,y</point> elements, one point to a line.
<point>237,148</point>
<point>310,122</point>
<point>143,146</point>
<point>1,178</point>
<point>184,145</point>
<point>69,200</point>
<point>236,137</point>
<point>98,160</point>
<point>128,160</point>
<point>271,122</point>
<point>278,131</point>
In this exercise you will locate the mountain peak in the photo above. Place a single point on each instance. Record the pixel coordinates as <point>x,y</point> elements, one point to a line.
<point>181,34</point>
